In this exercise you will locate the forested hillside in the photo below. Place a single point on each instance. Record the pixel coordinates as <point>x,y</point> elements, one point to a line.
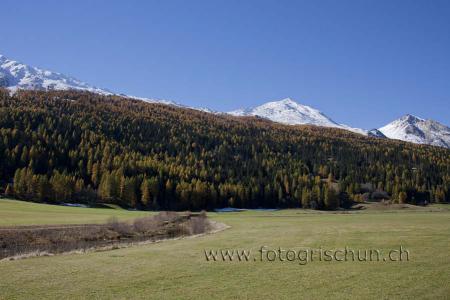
<point>82,147</point>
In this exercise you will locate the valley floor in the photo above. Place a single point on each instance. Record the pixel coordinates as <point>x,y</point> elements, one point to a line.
<point>14,212</point>
<point>179,269</point>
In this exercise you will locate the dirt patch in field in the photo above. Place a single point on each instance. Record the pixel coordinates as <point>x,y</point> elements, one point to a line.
<point>25,241</point>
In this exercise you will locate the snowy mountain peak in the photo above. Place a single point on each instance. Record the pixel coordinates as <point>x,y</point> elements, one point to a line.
<point>410,118</point>
<point>288,111</point>
<point>417,130</point>
<point>287,101</point>
<point>15,75</point>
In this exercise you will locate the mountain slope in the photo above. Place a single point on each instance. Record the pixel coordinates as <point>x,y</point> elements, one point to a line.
<point>416,130</point>
<point>189,160</point>
<point>287,111</point>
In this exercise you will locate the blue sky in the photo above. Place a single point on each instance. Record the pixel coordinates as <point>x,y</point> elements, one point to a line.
<point>363,62</point>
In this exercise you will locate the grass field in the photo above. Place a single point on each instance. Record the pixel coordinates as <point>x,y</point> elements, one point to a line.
<point>178,269</point>
<point>26,213</point>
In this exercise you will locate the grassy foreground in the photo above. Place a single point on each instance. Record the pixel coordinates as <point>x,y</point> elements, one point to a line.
<point>14,212</point>
<point>178,268</point>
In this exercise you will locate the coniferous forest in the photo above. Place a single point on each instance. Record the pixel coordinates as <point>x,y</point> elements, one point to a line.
<point>68,146</point>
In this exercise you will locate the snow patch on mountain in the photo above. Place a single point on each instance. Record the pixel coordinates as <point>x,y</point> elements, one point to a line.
<point>152,100</point>
<point>170,102</point>
<point>376,133</point>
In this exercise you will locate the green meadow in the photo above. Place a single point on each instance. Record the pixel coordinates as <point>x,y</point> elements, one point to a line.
<point>14,212</point>
<point>178,269</point>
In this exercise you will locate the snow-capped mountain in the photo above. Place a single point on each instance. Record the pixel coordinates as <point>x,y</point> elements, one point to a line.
<point>15,75</point>
<point>287,111</point>
<point>416,130</point>
<point>408,128</point>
